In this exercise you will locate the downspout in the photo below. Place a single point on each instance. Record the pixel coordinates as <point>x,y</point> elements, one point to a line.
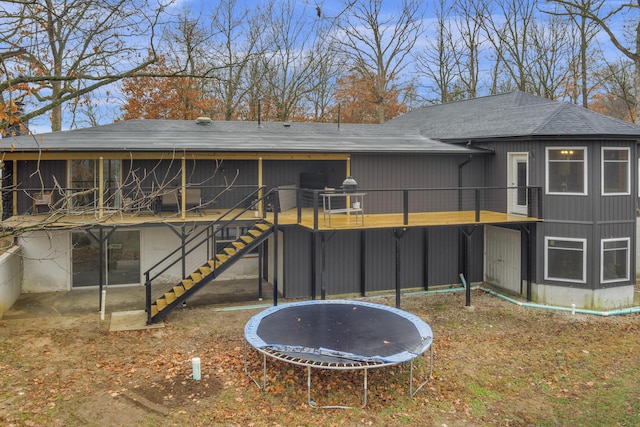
<point>460,166</point>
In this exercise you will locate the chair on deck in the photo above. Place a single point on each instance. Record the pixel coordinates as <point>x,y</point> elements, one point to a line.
<point>42,199</point>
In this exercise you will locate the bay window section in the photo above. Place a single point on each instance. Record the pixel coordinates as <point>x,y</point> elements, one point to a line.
<point>567,170</point>
<point>616,168</point>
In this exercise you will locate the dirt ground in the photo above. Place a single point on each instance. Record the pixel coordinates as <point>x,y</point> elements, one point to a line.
<point>495,363</point>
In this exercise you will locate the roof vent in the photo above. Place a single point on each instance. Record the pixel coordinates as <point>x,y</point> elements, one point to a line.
<point>204,120</point>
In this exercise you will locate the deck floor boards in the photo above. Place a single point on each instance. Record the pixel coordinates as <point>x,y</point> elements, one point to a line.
<point>339,221</point>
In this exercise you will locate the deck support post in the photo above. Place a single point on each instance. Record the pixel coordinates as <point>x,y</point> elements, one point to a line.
<point>398,234</point>
<point>314,243</point>
<point>527,244</point>
<point>260,269</point>
<point>467,261</point>
<point>425,269</point>
<point>363,264</point>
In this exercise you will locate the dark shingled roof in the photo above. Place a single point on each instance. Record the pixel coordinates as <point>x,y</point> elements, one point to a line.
<point>276,137</point>
<point>513,114</point>
<point>434,129</point>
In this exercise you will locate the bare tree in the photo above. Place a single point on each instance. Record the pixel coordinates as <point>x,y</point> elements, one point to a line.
<point>438,61</point>
<point>293,52</point>
<point>615,96</point>
<point>627,40</point>
<point>507,25</point>
<point>71,48</point>
<point>552,50</point>
<point>469,30</point>
<point>237,35</point>
<point>587,30</point>
<point>377,43</point>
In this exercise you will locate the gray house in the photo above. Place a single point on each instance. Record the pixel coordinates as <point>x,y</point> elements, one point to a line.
<point>526,194</point>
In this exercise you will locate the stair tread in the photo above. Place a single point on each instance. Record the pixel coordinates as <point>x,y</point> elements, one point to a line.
<point>170,297</point>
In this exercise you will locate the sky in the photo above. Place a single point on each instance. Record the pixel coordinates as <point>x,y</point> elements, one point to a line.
<point>109,100</point>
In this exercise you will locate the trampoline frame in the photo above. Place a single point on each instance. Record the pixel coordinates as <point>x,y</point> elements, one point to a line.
<point>359,365</point>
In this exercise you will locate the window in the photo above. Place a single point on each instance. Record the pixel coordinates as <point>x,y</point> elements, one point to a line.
<point>120,262</point>
<point>614,260</point>
<point>84,176</point>
<point>615,171</point>
<point>565,259</point>
<point>566,170</point>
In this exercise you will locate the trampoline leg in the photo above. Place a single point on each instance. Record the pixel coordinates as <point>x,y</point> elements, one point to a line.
<point>411,392</point>
<point>364,398</point>
<point>262,386</point>
<point>314,405</point>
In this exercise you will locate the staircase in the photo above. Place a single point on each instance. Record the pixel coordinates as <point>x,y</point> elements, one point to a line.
<point>207,272</point>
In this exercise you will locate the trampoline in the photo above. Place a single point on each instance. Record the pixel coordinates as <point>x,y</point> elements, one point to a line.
<point>340,335</point>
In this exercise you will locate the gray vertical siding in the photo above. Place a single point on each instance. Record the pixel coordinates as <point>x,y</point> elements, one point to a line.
<point>287,172</point>
<point>297,263</point>
<point>378,172</point>
<point>426,258</point>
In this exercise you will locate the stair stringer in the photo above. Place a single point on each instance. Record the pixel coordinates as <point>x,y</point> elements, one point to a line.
<point>198,280</point>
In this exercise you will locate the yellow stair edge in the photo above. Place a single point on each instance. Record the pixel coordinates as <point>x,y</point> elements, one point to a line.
<point>230,251</point>
<point>178,290</point>
<point>255,233</point>
<point>205,270</point>
<point>169,297</point>
<point>187,283</point>
<point>154,310</point>
<point>213,263</point>
<point>222,257</point>
<point>161,304</point>
<point>247,239</point>
<point>239,245</point>
<point>263,227</point>
<point>196,277</point>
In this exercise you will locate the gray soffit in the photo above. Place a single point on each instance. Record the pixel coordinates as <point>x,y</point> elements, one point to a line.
<point>248,137</point>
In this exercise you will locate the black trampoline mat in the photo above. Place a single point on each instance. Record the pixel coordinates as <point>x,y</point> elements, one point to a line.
<point>342,327</point>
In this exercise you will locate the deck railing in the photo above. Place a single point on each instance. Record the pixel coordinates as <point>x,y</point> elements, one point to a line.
<point>479,201</point>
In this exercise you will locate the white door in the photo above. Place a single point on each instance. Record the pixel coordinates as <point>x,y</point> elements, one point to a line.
<point>517,181</point>
<point>502,258</point>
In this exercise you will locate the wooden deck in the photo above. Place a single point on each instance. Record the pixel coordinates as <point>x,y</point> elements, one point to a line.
<point>345,221</point>
<point>339,221</point>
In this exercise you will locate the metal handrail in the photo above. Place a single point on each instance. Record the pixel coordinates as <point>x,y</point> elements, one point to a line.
<point>249,202</point>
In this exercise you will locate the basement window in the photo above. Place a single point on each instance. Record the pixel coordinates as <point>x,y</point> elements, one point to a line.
<point>565,259</point>
<point>614,260</point>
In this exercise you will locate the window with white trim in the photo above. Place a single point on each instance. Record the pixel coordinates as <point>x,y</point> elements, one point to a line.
<point>616,169</point>
<point>565,259</point>
<point>566,170</point>
<point>614,260</point>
